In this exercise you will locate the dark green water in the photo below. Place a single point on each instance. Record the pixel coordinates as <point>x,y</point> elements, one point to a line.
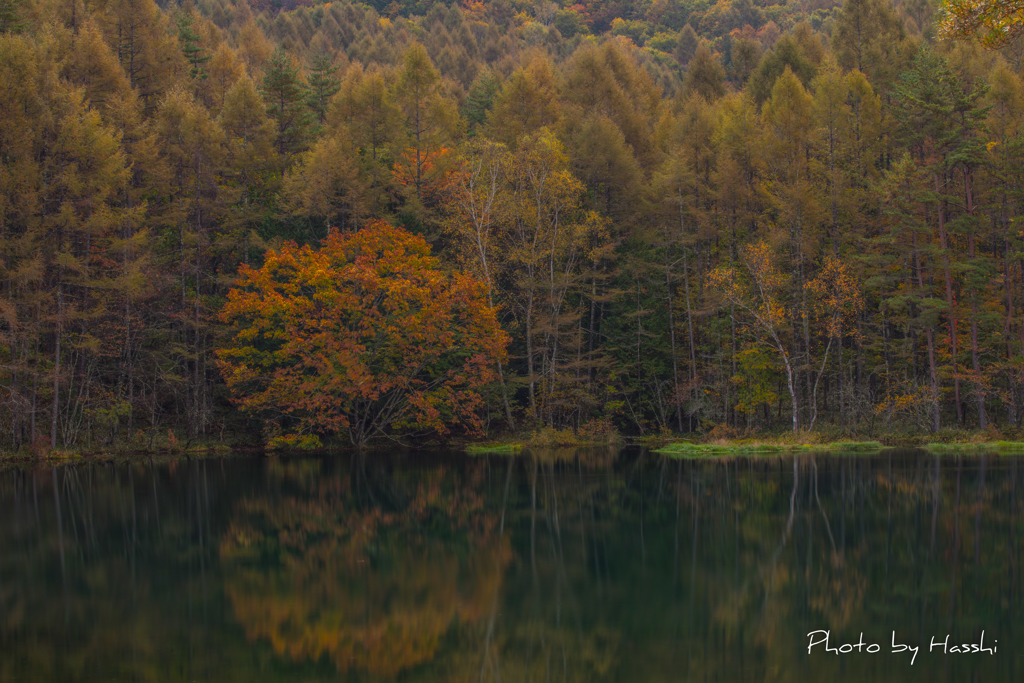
<point>597,566</point>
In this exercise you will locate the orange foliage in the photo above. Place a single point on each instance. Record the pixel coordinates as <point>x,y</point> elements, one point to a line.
<point>837,297</point>
<point>436,176</point>
<point>361,336</point>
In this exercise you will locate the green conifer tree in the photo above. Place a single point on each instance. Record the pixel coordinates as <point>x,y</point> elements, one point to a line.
<point>285,96</point>
<point>188,39</point>
<point>322,85</point>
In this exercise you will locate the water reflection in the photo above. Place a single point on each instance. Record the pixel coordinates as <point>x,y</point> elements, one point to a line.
<point>370,576</point>
<point>593,566</point>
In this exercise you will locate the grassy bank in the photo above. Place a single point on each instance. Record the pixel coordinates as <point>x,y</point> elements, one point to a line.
<point>592,434</point>
<point>494,449</point>
<point>721,442</point>
<point>1001,447</point>
<point>166,446</point>
<point>684,449</point>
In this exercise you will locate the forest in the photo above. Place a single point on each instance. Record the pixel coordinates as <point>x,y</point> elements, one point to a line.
<point>297,222</point>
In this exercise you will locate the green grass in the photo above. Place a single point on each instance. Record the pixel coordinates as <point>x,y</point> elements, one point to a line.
<point>858,446</point>
<point>764,447</point>
<point>682,449</point>
<point>689,449</point>
<point>494,449</point>
<point>694,450</point>
<point>954,448</point>
<point>1006,447</point>
<point>705,450</point>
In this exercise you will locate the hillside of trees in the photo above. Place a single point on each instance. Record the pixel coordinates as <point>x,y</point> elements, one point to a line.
<point>686,216</point>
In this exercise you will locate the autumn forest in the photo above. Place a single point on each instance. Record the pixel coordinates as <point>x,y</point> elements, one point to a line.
<point>298,223</point>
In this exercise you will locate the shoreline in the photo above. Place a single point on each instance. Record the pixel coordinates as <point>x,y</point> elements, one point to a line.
<point>682,449</point>
<point>546,440</point>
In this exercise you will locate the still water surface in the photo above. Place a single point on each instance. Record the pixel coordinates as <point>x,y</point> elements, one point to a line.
<point>586,566</point>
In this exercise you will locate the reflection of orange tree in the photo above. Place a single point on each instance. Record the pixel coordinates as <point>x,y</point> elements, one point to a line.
<point>372,589</point>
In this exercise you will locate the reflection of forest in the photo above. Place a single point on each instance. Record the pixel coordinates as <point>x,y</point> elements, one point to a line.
<point>441,568</point>
<point>372,579</point>
<point>107,574</point>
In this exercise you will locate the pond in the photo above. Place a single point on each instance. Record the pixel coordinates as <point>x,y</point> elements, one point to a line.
<point>559,566</point>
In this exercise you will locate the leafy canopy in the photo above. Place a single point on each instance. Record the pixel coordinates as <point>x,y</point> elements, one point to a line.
<point>365,336</point>
<point>993,21</point>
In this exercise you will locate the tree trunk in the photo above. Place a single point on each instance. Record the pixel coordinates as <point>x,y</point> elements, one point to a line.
<point>950,302</point>
<point>56,370</point>
<point>814,392</point>
<point>672,344</point>
<point>529,356</point>
<point>791,385</point>
<point>930,333</point>
<point>979,389</point>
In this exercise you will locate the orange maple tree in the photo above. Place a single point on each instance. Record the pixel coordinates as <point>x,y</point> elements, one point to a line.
<point>365,336</point>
